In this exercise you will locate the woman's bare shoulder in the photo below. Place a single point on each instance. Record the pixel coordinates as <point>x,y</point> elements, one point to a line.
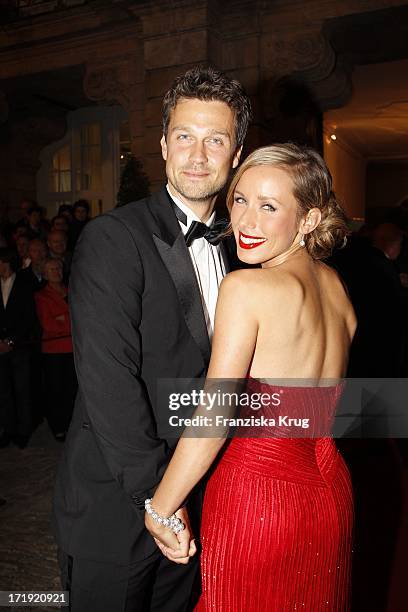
<point>330,275</point>
<point>258,283</point>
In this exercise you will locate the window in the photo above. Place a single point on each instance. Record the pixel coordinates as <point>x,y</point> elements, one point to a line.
<point>60,176</point>
<point>87,162</point>
<point>89,168</point>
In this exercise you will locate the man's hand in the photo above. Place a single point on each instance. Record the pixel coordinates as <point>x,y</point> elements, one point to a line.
<point>4,347</point>
<point>178,548</point>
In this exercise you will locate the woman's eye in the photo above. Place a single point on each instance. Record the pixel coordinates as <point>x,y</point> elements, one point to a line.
<point>269,207</point>
<point>239,200</point>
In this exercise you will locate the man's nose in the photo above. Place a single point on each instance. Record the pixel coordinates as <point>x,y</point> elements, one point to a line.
<point>198,153</point>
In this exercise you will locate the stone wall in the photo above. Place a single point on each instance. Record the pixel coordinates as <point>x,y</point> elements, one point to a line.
<point>130,52</point>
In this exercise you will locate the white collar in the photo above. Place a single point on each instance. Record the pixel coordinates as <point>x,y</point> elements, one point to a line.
<point>190,214</point>
<point>9,280</point>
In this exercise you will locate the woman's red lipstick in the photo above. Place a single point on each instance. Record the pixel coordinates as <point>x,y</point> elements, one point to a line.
<point>250,242</point>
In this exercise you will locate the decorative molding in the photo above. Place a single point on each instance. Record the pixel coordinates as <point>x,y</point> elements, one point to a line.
<point>313,56</point>
<point>308,59</point>
<point>108,85</point>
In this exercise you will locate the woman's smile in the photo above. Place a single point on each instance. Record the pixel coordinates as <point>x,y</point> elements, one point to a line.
<point>250,242</point>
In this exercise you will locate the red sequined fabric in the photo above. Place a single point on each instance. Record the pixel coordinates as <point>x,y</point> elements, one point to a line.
<point>278,518</point>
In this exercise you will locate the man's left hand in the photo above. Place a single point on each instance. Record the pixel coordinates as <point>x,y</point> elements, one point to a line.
<point>178,548</point>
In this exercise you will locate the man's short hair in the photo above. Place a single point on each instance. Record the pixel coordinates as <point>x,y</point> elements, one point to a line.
<point>34,208</point>
<point>8,255</point>
<point>38,241</point>
<point>81,204</point>
<point>58,217</point>
<point>209,84</point>
<point>63,208</point>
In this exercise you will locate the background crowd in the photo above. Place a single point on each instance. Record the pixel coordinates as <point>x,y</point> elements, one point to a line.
<point>37,375</point>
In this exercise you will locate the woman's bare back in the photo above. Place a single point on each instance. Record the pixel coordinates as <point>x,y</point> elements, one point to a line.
<point>305,322</point>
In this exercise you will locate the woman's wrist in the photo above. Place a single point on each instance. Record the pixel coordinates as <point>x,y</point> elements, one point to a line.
<point>168,521</point>
<point>161,507</point>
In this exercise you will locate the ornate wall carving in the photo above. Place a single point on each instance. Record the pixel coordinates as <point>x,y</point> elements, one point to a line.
<point>108,85</point>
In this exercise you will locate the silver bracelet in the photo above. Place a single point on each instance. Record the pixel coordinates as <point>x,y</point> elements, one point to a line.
<point>172,522</point>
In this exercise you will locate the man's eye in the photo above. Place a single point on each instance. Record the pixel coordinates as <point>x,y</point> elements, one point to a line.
<point>217,141</point>
<point>182,137</point>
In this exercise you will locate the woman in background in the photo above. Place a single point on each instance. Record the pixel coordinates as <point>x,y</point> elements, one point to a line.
<point>59,376</point>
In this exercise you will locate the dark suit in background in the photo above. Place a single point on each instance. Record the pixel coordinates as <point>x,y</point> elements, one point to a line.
<point>18,323</point>
<point>36,283</point>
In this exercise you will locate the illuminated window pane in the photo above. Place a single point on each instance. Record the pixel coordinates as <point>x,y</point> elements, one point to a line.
<point>91,134</point>
<point>60,175</point>
<point>91,158</point>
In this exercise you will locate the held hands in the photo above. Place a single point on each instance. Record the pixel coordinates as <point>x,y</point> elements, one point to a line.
<point>178,548</point>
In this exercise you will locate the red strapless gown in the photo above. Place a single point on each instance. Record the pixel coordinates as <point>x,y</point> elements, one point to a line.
<point>278,517</point>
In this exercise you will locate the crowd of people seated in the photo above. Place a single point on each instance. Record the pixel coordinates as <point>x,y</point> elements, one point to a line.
<point>37,373</point>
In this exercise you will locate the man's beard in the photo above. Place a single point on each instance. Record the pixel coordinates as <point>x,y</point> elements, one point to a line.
<point>199,191</point>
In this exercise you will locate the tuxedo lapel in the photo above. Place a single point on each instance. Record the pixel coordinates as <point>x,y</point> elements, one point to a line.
<point>171,245</point>
<point>225,258</point>
<point>10,297</point>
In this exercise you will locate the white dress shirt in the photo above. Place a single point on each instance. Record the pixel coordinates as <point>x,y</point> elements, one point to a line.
<point>6,287</point>
<point>207,262</point>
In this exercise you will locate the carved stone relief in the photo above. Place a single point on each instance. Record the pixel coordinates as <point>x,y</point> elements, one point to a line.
<point>108,85</point>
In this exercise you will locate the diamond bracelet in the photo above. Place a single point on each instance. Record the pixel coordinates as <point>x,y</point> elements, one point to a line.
<point>172,522</point>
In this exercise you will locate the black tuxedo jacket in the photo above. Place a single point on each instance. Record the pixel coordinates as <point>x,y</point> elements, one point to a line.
<point>31,279</point>
<point>137,317</point>
<point>18,320</point>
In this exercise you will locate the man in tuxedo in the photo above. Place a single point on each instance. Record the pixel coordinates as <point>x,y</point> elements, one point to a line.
<point>18,325</point>
<point>143,290</point>
<point>33,273</point>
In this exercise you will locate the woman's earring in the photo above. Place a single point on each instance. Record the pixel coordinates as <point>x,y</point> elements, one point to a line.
<point>302,242</point>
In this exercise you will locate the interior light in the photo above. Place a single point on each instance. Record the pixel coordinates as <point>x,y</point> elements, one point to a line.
<point>333,136</point>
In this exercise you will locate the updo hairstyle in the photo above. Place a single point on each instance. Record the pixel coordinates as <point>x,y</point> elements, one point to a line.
<point>312,188</point>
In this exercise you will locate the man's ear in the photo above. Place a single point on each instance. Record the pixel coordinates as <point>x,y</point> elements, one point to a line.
<point>163,145</point>
<point>236,158</point>
<point>310,221</point>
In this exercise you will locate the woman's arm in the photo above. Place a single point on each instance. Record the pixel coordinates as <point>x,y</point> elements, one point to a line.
<point>235,334</point>
<point>51,324</point>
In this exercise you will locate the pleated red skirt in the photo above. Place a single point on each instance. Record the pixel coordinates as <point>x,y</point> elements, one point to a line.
<point>277,522</point>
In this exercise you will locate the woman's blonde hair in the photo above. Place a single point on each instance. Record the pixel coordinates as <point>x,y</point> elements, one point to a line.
<point>312,188</point>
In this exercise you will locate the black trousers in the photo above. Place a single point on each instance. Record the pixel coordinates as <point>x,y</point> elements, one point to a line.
<point>60,387</point>
<point>154,584</point>
<point>15,392</point>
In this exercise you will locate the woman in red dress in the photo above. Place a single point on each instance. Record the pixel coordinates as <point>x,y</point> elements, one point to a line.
<point>278,510</point>
<point>59,378</point>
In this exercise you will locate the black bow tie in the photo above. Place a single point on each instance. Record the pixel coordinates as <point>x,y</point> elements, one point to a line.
<point>212,234</point>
